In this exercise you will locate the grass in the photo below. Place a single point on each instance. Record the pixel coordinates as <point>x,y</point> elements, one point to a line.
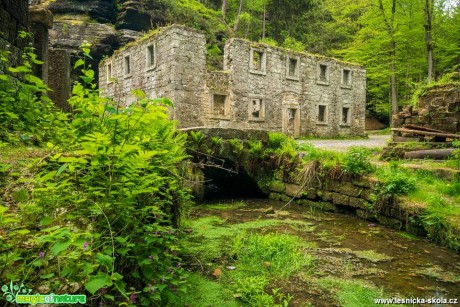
<point>258,258</point>
<point>203,292</point>
<point>439,273</point>
<point>351,293</point>
<point>225,206</point>
<point>372,256</point>
<point>272,254</point>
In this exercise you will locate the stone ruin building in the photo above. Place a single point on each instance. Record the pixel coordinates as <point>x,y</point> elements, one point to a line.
<point>261,87</point>
<point>437,109</point>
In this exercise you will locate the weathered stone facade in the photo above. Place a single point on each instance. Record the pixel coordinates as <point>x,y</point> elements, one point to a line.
<point>13,19</point>
<point>438,108</point>
<point>261,87</point>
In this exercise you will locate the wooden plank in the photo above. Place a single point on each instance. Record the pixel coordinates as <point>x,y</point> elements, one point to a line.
<point>416,127</point>
<point>418,132</point>
<point>402,139</point>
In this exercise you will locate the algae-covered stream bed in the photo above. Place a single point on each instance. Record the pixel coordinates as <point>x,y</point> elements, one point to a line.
<point>241,253</point>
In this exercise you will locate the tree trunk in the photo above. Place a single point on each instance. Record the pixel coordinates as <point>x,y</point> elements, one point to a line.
<point>237,19</point>
<point>224,9</point>
<point>429,4</point>
<point>263,21</point>
<point>438,154</point>
<point>389,23</point>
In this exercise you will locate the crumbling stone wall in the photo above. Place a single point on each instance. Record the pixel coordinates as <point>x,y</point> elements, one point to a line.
<point>178,72</point>
<point>261,87</point>
<point>438,108</point>
<point>300,90</point>
<point>13,19</point>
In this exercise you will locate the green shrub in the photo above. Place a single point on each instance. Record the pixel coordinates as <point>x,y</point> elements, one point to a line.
<point>356,162</point>
<point>435,220</point>
<point>273,254</point>
<point>27,115</point>
<point>276,139</point>
<point>104,207</point>
<point>396,182</point>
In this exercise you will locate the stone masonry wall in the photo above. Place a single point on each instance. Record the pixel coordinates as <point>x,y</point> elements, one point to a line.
<point>13,18</point>
<point>178,72</point>
<point>348,195</point>
<point>261,87</point>
<point>302,89</point>
<point>438,109</point>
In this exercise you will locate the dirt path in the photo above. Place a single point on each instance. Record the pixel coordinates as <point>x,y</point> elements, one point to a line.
<point>343,145</point>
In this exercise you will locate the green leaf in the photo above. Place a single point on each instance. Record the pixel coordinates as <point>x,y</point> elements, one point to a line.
<point>47,276</point>
<point>97,282</point>
<point>59,247</point>
<point>105,260</point>
<point>62,169</point>
<point>116,276</point>
<point>22,231</point>
<point>79,63</point>
<point>45,221</point>
<point>21,195</point>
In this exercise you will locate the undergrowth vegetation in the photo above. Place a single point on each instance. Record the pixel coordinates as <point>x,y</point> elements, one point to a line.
<point>99,211</point>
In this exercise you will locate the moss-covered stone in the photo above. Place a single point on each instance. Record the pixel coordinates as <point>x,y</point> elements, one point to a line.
<point>277,186</point>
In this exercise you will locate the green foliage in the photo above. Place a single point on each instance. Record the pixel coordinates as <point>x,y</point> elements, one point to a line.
<point>256,149</point>
<point>357,161</point>
<point>196,139</point>
<point>456,153</point>
<point>449,79</point>
<point>276,139</point>
<point>27,115</point>
<point>271,254</point>
<point>396,182</point>
<point>252,291</point>
<point>437,221</point>
<point>237,147</point>
<point>105,203</point>
<point>351,293</point>
<point>204,292</point>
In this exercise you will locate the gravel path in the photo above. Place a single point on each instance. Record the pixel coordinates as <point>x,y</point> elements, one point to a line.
<point>342,145</point>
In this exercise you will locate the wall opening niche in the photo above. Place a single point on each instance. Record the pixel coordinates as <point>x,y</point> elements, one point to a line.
<point>346,78</point>
<point>151,61</point>
<point>219,106</point>
<point>323,74</point>
<point>292,68</point>
<point>109,73</point>
<point>257,109</point>
<point>127,66</point>
<point>258,61</point>
<point>321,116</point>
<point>346,120</point>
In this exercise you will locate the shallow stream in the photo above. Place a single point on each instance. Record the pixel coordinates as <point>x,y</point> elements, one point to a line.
<point>347,247</point>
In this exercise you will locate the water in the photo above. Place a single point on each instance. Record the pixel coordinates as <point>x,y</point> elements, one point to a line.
<point>403,265</point>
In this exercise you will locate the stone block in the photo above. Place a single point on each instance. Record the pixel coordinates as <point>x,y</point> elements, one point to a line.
<point>349,189</point>
<point>293,190</point>
<point>340,199</point>
<point>277,186</point>
<point>358,203</point>
<point>41,15</point>
<point>59,78</point>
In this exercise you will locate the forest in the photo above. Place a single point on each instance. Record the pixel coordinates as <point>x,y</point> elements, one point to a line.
<point>403,44</point>
<point>112,204</point>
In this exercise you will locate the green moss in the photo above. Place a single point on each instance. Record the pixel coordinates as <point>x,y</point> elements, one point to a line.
<point>225,206</point>
<point>203,293</point>
<point>351,293</point>
<point>372,256</point>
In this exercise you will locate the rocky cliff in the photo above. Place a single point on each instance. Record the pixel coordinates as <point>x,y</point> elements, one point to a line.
<point>106,24</point>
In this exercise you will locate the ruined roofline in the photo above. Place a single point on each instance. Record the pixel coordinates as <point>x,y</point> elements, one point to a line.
<point>294,52</point>
<point>148,35</point>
